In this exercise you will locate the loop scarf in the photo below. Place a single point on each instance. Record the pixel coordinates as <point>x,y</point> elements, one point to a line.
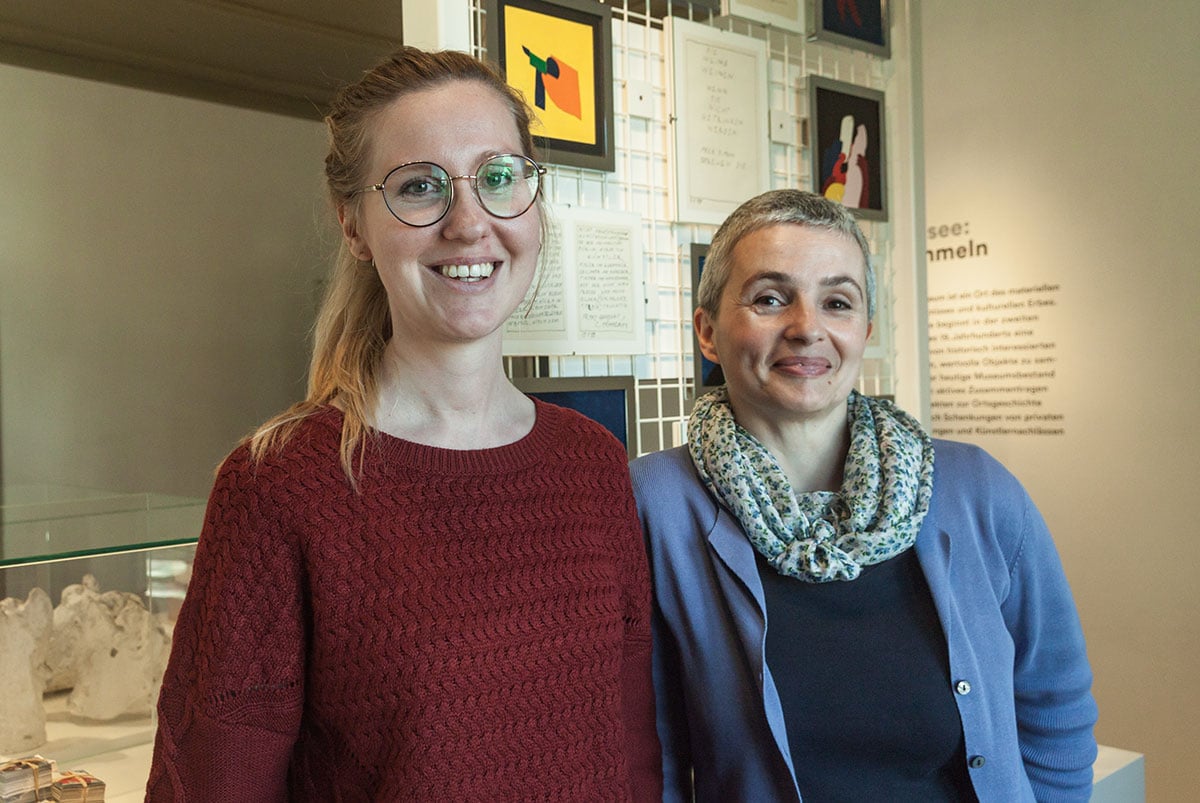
<point>822,535</point>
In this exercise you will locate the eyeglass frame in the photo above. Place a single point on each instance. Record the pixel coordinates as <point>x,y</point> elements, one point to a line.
<point>539,171</point>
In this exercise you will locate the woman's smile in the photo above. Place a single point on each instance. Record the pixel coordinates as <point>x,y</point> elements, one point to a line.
<point>472,272</point>
<point>804,366</point>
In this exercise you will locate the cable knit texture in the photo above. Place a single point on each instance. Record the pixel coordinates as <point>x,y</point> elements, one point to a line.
<point>473,625</point>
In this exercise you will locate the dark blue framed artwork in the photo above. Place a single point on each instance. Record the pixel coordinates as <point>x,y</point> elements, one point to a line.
<point>707,374</point>
<point>607,400</point>
<point>860,24</point>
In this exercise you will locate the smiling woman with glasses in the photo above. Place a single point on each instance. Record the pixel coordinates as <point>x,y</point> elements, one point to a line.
<point>418,583</point>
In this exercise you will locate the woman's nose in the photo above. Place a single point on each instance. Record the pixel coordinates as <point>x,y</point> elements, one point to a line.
<point>802,322</point>
<point>466,219</point>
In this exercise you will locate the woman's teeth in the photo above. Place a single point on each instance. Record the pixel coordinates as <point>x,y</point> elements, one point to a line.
<point>468,273</point>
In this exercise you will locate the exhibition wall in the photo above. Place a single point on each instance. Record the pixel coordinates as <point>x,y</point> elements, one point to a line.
<point>655,114</point>
<point>157,280</point>
<point>1063,291</point>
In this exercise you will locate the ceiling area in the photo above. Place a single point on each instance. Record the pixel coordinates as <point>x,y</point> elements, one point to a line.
<point>285,56</point>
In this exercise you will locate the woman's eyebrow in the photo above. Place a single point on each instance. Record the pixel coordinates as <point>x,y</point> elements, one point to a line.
<point>838,280</point>
<point>782,277</point>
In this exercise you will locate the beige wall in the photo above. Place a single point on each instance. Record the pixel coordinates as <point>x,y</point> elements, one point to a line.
<point>158,261</point>
<point>1065,135</point>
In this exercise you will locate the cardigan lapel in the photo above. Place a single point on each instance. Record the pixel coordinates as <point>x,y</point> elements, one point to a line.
<point>741,587</point>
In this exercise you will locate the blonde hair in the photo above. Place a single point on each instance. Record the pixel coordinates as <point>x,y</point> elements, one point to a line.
<point>354,322</point>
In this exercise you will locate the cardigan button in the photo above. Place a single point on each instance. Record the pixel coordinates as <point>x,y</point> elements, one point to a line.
<point>976,762</point>
<point>962,687</point>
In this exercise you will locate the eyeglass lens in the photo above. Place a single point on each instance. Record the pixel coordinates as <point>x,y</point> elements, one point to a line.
<point>419,194</point>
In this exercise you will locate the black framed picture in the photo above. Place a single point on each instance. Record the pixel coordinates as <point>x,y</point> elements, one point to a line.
<point>849,162</point>
<point>607,400</point>
<point>558,54</point>
<point>707,375</point>
<point>860,24</point>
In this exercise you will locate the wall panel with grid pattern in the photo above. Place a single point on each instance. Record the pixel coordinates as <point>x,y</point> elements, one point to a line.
<point>643,183</point>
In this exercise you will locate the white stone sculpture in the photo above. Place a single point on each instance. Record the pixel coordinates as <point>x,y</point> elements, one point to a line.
<point>24,632</point>
<point>65,651</point>
<point>121,652</point>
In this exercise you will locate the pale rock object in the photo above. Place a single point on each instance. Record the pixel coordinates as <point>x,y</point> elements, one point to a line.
<point>66,648</point>
<point>123,654</point>
<point>24,632</point>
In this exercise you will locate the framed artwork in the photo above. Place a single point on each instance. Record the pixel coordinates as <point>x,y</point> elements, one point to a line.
<point>607,400</point>
<point>589,296</point>
<point>722,141</point>
<point>786,14</point>
<point>847,138</point>
<point>558,53</point>
<point>860,24</point>
<point>707,374</point>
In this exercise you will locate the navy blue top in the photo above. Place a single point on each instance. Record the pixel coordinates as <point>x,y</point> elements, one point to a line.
<point>862,672</point>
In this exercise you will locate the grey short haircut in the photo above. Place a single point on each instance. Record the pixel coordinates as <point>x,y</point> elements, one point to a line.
<point>774,208</point>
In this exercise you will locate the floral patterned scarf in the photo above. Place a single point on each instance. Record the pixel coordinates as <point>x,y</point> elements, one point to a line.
<point>823,535</point>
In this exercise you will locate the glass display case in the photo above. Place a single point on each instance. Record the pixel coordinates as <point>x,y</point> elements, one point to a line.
<point>90,583</point>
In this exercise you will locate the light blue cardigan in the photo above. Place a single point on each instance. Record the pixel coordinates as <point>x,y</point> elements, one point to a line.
<point>1017,658</point>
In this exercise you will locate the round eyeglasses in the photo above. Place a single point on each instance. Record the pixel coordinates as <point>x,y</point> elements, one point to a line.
<point>420,193</point>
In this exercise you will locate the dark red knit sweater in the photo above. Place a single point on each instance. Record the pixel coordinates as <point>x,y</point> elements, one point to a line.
<point>472,625</point>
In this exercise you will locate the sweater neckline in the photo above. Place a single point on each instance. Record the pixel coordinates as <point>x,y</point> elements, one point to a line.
<point>390,450</point>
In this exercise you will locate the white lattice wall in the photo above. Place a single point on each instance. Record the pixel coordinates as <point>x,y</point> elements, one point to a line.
<point>643,183</point>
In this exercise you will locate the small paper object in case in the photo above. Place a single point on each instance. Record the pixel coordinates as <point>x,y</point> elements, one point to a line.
<point>26,780</point>
<point>78,786</point>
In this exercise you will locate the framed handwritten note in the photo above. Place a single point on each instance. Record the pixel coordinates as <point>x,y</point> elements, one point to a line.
<point>588,297</point>
<point>722,148</point>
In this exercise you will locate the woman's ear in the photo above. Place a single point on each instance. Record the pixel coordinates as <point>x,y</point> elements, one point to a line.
<point>704,333</point>
<point>354,240</point>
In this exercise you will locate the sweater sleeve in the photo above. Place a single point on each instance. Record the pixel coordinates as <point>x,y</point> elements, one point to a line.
<point>637,684</point>
<point>1051,675</point>
<point>232,694</point>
